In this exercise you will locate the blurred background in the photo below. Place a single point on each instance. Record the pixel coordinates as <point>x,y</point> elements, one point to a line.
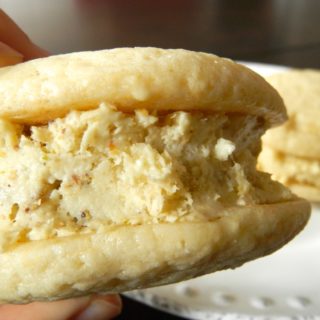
<point>273,31</point>
<point>285,32</point>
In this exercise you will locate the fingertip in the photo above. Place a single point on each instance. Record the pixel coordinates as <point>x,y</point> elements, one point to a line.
<point>99,309</point>
<point>33,52</point>
<point>114,299</point>
<point>102,307</point>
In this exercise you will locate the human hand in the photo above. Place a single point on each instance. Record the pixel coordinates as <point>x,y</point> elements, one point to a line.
<point>96,307</point>
<point>15,47</point>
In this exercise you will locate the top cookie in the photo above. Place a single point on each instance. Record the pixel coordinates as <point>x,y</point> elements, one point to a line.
<point>41,90</point>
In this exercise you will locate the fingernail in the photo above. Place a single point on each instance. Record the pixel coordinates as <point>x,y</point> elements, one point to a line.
<point>9,56</point>
<point>99,310</point>
<point>112,298</point>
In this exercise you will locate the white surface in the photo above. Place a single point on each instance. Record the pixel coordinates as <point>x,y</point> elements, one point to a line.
<point>283,285</point>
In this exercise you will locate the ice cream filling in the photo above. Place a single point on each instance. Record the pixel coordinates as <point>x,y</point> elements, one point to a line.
<point>104,167</point>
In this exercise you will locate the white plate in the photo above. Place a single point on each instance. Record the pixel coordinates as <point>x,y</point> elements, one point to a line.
<point>285,285</point>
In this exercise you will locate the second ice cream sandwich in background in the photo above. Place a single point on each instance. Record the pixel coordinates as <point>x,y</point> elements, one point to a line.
<point>291,152</point>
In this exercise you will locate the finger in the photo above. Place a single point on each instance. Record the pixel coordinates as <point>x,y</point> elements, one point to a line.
<point>9,56</point>
<point>94,307</point>
<point>101,308</point>
<point>15,38</point>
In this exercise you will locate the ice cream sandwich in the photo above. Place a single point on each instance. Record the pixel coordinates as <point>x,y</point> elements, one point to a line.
<point>134,167</point>
<point>292,151</point>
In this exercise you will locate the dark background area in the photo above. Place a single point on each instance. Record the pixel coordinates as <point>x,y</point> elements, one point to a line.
<point>271,31</point>
<point>285,32</point>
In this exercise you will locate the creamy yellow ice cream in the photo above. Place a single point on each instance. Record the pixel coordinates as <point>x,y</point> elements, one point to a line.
<point>101,167</point>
